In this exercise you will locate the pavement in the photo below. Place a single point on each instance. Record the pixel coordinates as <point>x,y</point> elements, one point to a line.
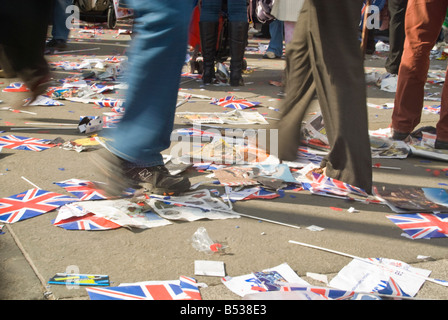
<point>33,250</point>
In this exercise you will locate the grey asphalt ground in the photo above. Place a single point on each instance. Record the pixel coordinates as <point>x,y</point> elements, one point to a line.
<point>33,250</point>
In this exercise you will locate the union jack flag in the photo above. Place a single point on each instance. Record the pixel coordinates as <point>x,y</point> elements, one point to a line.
<point>16,87</point>
<point>24,143</point>
<point>87,222</point>
<point>30,203</point>
<point>183,289</point>
<point>422,225</point>
<point>328,293</point>
<point>234,103</point>
<point>83,189</point>
<point>324,183</point>
<point>109,103</point>
<point>392,288</point>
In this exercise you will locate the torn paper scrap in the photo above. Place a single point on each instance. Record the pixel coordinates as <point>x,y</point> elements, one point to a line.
<point>247,284</point>
<point>72,279</point>
<point>363,276</point>
<point>191,206</point>
<point>122,212</point>
<point>209,268</point>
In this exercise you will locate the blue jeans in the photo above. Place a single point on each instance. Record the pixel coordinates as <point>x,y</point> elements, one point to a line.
<point>60,30</point>
<point>276,42</point>
<point>157,55</point>
<point>236,10</point>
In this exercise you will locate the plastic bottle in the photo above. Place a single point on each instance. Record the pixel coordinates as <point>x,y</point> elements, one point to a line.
<point>201,241</point>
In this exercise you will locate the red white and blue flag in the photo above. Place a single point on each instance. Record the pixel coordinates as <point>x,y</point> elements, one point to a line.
<point>16,87</point>
<point>183,289</point>
<point>422,225</point>
<point>234,103</point>
<point>89,221</point>
<point>24,143</point>
<point>324,183</point>
<point>109,103</point>
<point>327,293</point>
<point>30,203</point>
<point>392,288</point>
<point>83,189</point>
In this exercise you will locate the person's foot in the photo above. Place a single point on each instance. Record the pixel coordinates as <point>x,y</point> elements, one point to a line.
<point>270,55</point>
<point>438,144</point>
<point>401,136</point>
<point>121,175</point>
<point>57,44</point>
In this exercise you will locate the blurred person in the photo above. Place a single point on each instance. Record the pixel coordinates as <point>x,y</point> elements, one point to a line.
<point>23,31</point>
<point>423,22</point>
<point>238,32</point>
<point>132,157</point>
<point>324,58</point>
<point>275,47</point>
<point>60,31</point>
<point>397,12</point>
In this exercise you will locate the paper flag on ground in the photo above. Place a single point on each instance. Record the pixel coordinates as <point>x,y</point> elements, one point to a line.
<point>24,143</point>
<point>422,225</point>
<point>16,87</point>
<point>185,288</point>
<point>108,214</point>
<point>233,102</point>
<point>83,189</point>
<point>30,203</point>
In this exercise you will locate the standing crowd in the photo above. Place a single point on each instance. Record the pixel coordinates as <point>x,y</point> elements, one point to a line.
<point>324,59</point>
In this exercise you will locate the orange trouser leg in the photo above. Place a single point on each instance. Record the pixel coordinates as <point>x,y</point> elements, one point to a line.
<point>423,23</point>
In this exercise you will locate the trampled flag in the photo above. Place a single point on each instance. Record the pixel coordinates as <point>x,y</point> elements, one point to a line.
<point>30,203</point>
<point>88,222</point>
<point>16,87</point>
<point>422,225</point>
<point>83,189</point>
<point>24,143</point>
<point>234,103</point>
<point>328,293</point>
<point>183,289</point>
<point>324,183</point>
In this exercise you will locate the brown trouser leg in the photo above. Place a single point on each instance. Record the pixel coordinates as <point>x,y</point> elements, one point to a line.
<point>324,57</point>
<point>423,22</point>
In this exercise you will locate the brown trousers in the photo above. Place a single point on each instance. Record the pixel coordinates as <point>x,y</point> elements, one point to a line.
<point>423,22</point>
<point>324,58</point>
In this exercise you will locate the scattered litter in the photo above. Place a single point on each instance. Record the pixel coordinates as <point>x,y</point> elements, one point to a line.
<point>71,279</point>
<point>209,268</point>
<point>201,241</point>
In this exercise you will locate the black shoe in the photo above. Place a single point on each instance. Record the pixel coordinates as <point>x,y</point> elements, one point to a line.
<point>121,175</point>
<point>438,144</point>
<point>158,180</point>
<point>396,135</point>
<point>57,44</point>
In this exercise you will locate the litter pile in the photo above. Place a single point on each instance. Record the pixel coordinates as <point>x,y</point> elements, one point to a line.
<point>238,170</point>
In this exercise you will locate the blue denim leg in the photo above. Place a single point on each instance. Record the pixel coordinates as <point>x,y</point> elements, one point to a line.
<point>236,10</point>
<point>155,63</point>
<point>276,42</point>
<point>59,30</point>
